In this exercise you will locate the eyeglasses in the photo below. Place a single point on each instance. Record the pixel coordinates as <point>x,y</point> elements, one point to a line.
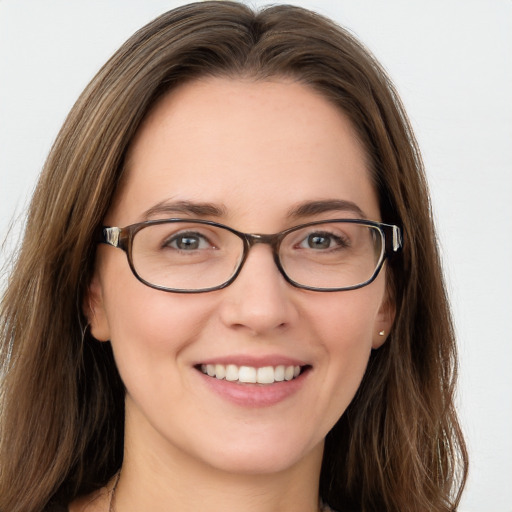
<point>192,256</point>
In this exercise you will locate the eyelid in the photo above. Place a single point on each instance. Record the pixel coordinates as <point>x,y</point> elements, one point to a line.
<point>172,240</point>
<point>328,228</point>
<point>214,236</point>
<point>330,237</point>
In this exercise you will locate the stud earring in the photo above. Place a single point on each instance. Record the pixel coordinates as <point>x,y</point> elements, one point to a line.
<point>381,333</point>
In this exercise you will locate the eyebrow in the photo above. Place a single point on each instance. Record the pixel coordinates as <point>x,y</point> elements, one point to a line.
<point>310,208</point>
<point>185,207</point>
<point>204,209</point>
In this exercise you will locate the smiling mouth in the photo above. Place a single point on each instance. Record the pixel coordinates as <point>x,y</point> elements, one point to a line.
<point>251,374</point>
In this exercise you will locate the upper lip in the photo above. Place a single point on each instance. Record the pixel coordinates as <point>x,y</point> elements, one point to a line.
<point>254,361</point>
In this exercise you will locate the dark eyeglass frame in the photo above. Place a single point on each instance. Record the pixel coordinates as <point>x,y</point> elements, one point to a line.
<point>122,238</point>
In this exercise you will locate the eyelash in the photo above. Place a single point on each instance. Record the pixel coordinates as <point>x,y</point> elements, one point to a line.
<point>177,236</point>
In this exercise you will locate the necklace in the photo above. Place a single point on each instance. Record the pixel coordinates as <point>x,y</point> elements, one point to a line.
<point>113,492</point>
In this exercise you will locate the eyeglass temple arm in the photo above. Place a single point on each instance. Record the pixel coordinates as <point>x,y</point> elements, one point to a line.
<point>396,238</point>
<point>110,236</point>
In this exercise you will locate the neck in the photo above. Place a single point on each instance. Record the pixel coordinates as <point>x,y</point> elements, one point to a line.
<point>220,495</point>
<point>158,478</point>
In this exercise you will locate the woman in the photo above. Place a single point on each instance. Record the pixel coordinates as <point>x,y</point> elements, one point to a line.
<point>213,303</point>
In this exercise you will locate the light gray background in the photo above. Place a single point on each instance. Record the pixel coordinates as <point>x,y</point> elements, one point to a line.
<point>451,61</point>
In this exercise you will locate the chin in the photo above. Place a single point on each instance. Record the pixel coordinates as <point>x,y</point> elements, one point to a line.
<point>262,459</point>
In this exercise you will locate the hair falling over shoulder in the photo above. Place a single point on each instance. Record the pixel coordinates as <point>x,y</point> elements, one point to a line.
<point>399,445</point>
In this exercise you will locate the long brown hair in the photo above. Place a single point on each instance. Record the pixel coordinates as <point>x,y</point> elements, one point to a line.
<point>397,447</point>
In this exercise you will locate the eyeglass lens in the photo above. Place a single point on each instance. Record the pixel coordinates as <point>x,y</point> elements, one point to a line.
<point>194,256</point>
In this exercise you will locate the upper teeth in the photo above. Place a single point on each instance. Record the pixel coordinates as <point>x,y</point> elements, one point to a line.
<point>250,374</point>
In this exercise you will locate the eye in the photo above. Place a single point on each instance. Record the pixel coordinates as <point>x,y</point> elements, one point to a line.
<point>322,240</point>
<point>187,241</point>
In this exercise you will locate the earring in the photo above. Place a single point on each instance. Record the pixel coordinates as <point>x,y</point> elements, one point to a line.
<point>381,333</point>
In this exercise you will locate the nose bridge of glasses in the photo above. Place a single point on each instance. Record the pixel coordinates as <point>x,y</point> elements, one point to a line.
<point>257,238</point>
<point>273,241</point>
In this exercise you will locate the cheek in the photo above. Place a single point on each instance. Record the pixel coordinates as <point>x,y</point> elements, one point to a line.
<point>344,330</point>
<point>346,320</point>
<point>149,328</point>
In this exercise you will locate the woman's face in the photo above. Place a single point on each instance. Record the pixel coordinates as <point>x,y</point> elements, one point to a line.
<point>253,152</point>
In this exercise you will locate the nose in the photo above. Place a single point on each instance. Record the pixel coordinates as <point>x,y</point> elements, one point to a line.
<point>259,301</point>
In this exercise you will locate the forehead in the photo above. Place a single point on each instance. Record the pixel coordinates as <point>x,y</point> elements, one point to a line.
<point>246,145</point>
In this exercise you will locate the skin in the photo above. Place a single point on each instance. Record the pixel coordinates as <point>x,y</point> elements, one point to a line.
<point>256,150</point>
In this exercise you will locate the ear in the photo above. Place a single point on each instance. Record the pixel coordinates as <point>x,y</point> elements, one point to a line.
<point>384,321</point>
<point>94,310</point>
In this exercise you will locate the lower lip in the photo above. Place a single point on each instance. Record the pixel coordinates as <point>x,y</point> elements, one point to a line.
<point>255,395</point>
